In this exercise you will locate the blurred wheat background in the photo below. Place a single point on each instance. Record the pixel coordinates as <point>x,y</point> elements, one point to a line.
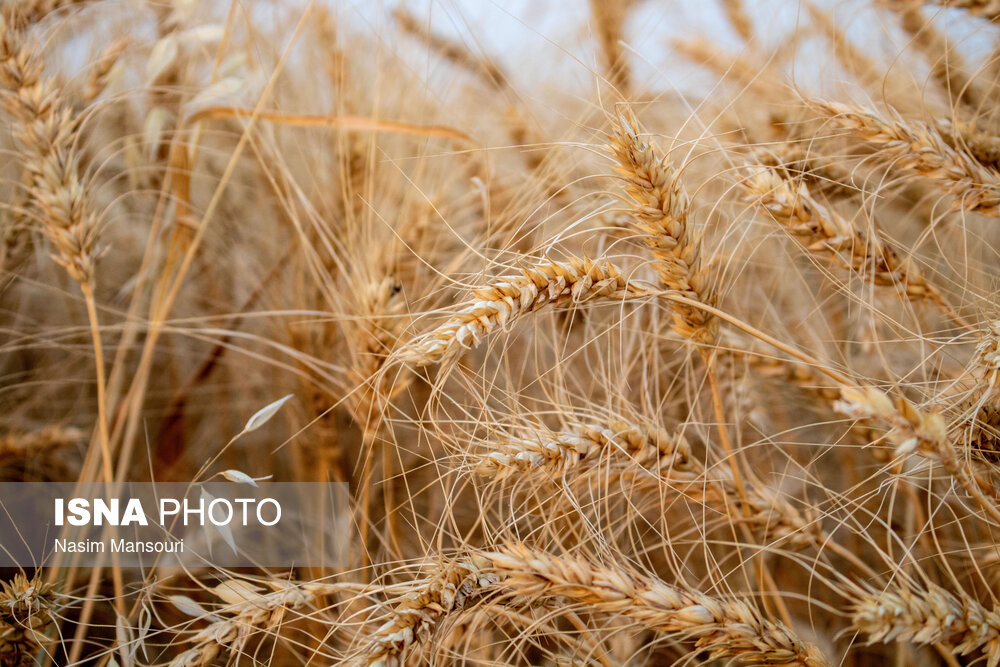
<point>645,332</point>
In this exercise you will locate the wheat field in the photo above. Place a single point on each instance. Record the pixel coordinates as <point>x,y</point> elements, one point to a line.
<point>645,339</point>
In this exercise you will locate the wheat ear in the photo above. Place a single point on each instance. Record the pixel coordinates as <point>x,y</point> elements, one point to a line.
<point>925,617</point>
<point>920,149</point>
<point>248,610</point>
<point>946,63</point>
<point>585,448</point>
<point>507,299</point>
<point>23,13</point>
<point>924,433</point>
<point>987,9</point>
<point>987,357</point>
<point>738,18</point>
<point>45,130</point>
<point>26,609</point>
<point>727,66</point>
<point>414,618</point>
<point>823,231</point>
<point>964,136</point>
<point>660,207</point>
<point>852,58</point>
<point>724,628</point>
<point>580,446</point>
<point>380,324</point>
<point>451,50</point>
<point>609,22</point>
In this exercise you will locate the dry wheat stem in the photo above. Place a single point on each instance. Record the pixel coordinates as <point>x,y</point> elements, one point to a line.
<point>502,303</point>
